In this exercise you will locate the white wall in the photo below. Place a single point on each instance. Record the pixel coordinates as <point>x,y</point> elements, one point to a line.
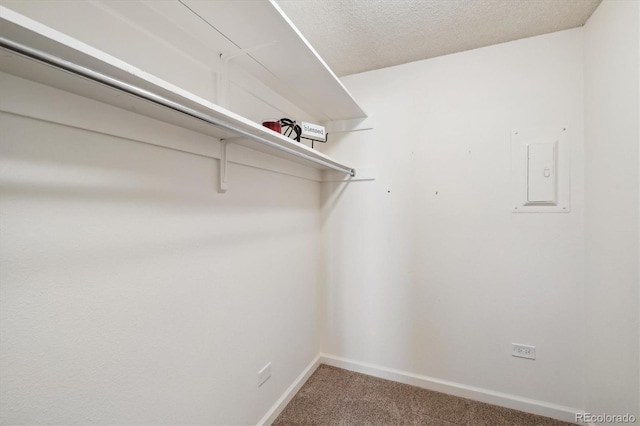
<point>612,212</point>
<point>429,272</point>
<point>131,291</point>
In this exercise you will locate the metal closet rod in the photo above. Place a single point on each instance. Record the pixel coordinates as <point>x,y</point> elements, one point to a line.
<point>98,77</point>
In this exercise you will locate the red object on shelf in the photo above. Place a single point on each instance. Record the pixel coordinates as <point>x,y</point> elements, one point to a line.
<point>273,125</point>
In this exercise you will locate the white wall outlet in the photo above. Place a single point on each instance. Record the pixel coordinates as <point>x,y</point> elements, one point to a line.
<point>264,374</point>
<point>523,351</point>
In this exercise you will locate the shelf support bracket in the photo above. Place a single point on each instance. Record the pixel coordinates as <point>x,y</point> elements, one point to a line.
<point>223,75</point>
<point>222,181</point>
<point>352,125</point>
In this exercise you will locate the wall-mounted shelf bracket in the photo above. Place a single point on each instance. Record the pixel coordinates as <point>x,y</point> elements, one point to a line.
<point>222,181</point>
<point>223,75</point>
<point>351,125</point>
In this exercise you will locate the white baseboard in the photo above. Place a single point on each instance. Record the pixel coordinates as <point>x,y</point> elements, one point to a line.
<point>291,391</point>
<point>541,408</point>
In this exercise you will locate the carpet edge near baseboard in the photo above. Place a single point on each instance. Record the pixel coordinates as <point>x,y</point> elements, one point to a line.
<point>541,408</point>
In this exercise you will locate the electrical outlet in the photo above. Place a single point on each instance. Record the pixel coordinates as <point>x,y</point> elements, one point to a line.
<point>264,374</point>
<point>523,351</point>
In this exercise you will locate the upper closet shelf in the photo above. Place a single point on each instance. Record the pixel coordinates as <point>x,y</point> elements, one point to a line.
<point>277,46</point>
<point>36,52</point>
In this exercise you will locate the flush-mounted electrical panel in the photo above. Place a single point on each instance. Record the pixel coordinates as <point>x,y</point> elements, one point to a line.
<point>542,182</point>
<point>540,170</point>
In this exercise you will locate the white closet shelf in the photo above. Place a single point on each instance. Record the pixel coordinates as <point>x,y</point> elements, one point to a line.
<point>36,52</point>
<point>278,47</point>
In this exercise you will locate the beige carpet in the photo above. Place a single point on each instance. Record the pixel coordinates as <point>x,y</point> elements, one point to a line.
<point>333,396</point>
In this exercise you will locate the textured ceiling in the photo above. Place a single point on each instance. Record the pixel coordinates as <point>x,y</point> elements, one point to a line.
<point>353,36</point>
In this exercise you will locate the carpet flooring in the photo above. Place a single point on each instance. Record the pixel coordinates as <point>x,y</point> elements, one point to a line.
<point>333,396</point>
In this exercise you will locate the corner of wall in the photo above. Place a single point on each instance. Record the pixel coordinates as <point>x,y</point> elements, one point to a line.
<point>612,229</point>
